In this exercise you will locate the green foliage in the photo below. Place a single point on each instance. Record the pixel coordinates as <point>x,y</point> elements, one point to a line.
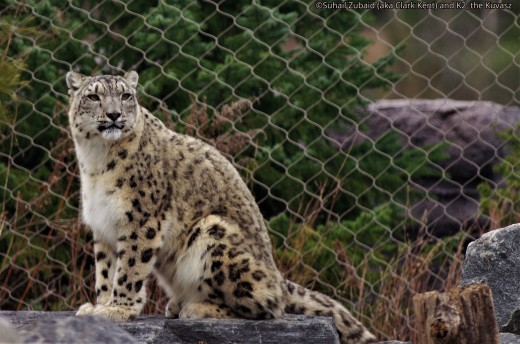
<point>10,79</point>
<point>10,68</point>
<point>502,202</point>
<point>305,73</point>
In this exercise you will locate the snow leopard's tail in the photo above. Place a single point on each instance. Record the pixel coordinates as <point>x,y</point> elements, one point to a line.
<point>304,301</point>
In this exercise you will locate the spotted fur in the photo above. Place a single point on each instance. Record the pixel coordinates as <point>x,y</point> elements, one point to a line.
<point>158,201</point>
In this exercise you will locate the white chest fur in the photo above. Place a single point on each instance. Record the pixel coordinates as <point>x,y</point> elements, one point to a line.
<point>101,211</point>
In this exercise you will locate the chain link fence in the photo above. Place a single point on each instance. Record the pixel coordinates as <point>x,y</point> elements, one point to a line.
<point>368,200</point>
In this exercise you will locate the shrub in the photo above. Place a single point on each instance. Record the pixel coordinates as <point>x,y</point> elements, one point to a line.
<point>501,202</point>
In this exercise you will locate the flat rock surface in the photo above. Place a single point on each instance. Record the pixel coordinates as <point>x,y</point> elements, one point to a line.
<point>61,328</point>
<point>158,329</point>
<point>509,338</point>
<point>494,259</point>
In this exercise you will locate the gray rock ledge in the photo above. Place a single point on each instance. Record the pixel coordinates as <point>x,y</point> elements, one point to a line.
<point>509,338</point>
<point>64,327</point>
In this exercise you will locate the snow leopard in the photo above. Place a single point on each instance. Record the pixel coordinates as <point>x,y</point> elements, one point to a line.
<point>161,202</point>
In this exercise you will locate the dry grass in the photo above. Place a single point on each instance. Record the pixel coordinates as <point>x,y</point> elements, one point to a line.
<point>503,211</point>
<point>380,293</point>
<point>385,301</point>
<point>421,266</point>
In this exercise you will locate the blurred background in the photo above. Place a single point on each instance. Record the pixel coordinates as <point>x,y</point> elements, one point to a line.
<point>378,143</point>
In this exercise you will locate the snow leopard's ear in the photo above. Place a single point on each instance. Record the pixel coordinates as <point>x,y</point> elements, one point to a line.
<point>74,80</point>
<point>132,78</point>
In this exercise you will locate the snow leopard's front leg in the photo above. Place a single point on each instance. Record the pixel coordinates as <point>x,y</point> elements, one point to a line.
<point>105,259</point>
<point>137,246</point>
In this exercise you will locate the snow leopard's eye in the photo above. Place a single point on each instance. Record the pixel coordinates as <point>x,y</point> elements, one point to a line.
<point>126,96</point>
<point>93,97</point>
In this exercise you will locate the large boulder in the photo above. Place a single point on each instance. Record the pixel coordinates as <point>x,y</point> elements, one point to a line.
<point>494,259</point>
<point>469,127</point>
<point>470,131</point>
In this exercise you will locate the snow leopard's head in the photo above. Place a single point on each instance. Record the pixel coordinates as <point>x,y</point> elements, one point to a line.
<point>103,105</point>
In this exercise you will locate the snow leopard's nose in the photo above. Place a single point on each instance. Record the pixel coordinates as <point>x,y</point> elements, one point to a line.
<point>113,115</point>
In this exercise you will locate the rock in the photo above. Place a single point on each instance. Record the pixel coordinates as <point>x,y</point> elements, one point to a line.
<point>8,333</point>
<point>494,259</point>
<point>470,130</point>
<point>161,330</point>
<point>64,328</point>
<point>509,338</point>
<point>296,329</point>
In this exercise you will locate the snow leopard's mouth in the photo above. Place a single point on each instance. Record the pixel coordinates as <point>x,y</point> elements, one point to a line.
<point>110,126</point>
